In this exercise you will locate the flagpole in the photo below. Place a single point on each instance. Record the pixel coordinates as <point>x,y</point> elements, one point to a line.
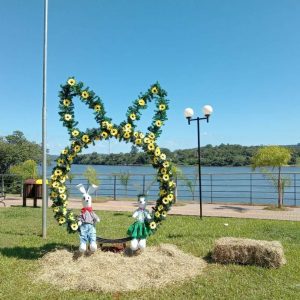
<point>44,131</point>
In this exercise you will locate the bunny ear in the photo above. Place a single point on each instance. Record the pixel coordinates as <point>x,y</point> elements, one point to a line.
<point>68,91</point>
<point>81,188</point>
<point>156,93</point>
<point>92,189</point>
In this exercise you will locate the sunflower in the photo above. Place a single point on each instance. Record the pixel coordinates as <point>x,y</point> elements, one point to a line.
<point>158,123</point>
<point>142,102</point>
<point>136,134</point>
<point>172,184</point>
<point>166,177</point>
<point>163,171</point>
<point>104,134</point>
<point>67,117</point>
<point>53,195</point>
<point>160,207</point>
<point>162,192</point>
<point>170,197</point>
<point>132,117</point>
<point>60,161</point>
<point>56,209</point>
<point>57,172</point>
<point>71,81</point>
<point>152,225</point>
<point>166,164</point>
<point>165,200</point>
<point>75,132</point>
<point>74,226</point>
<point>126,135</point>
<point>114,132</point>
<point>138,141</point>
<point>53,177</point>
<point>62,220</point>
<point>66,102</point>
<point>55,184</point>
<point>97,107</point>
<point>127,127</point>
<point>85,138</point>
<point>62,179</point>
<point>104,124</point>
<point>77,148</point>
<point>154,90</point>
<point>162,107</point>
<point>164,214</point>
<point>70,157</point>
<point>64,151</point>
<point>142,135</point>
<point>61,189</point>
<point>163,156</point>
<point>157,151</point>
<point>63,196</point>
<point>151,135</point>
<point>157,214</point>
<point>155,160</point>
<point>146,140</point>
<point>65,204</point>
<point>109,126</point>
<point>85,94</point>
<point>151,147</point>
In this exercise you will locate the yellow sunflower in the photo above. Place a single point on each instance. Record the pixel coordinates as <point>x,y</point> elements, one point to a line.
<point>127,127</point>
<point>164,214</point>
<point>163,171</point>
<point>154,90</point>
<point>104,134</point>
<point>142,135</point>
<point>77,148</point>
<point>75,132</point>
<point>63,196</point>
<point>157,151</point>
<point>166,164</point>
<point>62,220</point>
<point>163,156</point>
<point>138,141</point>
<point>71,81</point>
<point>160,207</point>
<point>65,204</point>
<point>64,151</point>
<point>70,158</point>
<point>85,94</point>
<point>157,214</point>
<point>57,172</point>
<point>55,184</point>
<point>172,184</point>
<point>136,134</point>
<point>162,107</point>
<point>56,209</point>
<point>114,132</point>
<point>166,177</point>
<point>151,147</point>
<point>146,140</point>
<point>85,138</point>
<point>126,135</point>
<point>66,102</point>
<point>152,225</point>
<point>132,117</point>
<point>104,124</point>
<point>170,197</point>
<point>97,107</point>
<point>62,179</point>
<point>74,226</point>
<point>158,123</point>
<point>62,189</point>
<point>53,195</point>
<point>67,117</point>
<point>165,200</point>
<point>60,161</point>
<point>151,135</point>
<point>142,102</point>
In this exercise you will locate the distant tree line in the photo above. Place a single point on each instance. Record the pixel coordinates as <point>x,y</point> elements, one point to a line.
<point>222,155</point>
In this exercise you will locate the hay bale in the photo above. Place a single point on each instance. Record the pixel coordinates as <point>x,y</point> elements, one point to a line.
<point>247,251</point>
<point>116,272</point>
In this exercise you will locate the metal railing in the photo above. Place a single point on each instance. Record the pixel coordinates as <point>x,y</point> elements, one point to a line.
<point>248,188</point>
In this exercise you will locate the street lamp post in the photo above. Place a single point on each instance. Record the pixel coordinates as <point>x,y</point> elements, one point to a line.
<point>188,113</point>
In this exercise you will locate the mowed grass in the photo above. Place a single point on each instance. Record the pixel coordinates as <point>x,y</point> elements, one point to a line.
<point>21,246</point>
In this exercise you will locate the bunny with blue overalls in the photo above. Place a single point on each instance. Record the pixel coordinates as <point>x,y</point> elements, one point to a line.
<point>87,220</point>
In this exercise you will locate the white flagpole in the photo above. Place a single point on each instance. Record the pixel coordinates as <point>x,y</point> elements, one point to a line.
<point>44,114</point>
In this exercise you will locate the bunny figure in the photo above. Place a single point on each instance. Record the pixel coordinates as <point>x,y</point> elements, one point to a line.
<point>87,220</point>
<point>140,229</point>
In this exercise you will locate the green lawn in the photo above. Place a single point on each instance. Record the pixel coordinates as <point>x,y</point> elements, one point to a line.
<point>21,245</point>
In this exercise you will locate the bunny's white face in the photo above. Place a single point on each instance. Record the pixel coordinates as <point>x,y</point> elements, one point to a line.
<point>86,200</point>
<point>142,202</point>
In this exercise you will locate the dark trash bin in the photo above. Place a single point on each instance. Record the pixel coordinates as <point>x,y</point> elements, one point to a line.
<point>32,190</point>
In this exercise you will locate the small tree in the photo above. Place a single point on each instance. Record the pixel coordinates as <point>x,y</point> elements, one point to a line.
<point>26,170</point>
<point>91,176</point>
<point>275,157</point>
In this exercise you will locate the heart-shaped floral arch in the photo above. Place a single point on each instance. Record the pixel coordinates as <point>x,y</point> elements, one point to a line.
<point>125,131</point>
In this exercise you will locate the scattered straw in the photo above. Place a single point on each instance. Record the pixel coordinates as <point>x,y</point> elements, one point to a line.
<point>115,272</point>
<point>247,251</point>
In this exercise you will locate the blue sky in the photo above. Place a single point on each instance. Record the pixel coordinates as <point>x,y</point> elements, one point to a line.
<point>240,56</point>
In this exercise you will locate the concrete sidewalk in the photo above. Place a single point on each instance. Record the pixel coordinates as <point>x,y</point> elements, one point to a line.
<point>187,209</point>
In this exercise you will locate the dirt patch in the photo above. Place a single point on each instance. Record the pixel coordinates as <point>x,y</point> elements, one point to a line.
<point>116,272</point>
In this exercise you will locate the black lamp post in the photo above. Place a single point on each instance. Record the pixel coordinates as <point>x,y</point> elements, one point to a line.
<point>188,113</point>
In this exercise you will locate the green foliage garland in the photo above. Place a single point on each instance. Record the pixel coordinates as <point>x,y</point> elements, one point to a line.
<point>125,131</point>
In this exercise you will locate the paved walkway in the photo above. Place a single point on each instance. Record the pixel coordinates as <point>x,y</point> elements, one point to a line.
<point>188,209</point>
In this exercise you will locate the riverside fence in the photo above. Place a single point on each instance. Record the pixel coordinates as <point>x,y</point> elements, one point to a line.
<point>247,188</point>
